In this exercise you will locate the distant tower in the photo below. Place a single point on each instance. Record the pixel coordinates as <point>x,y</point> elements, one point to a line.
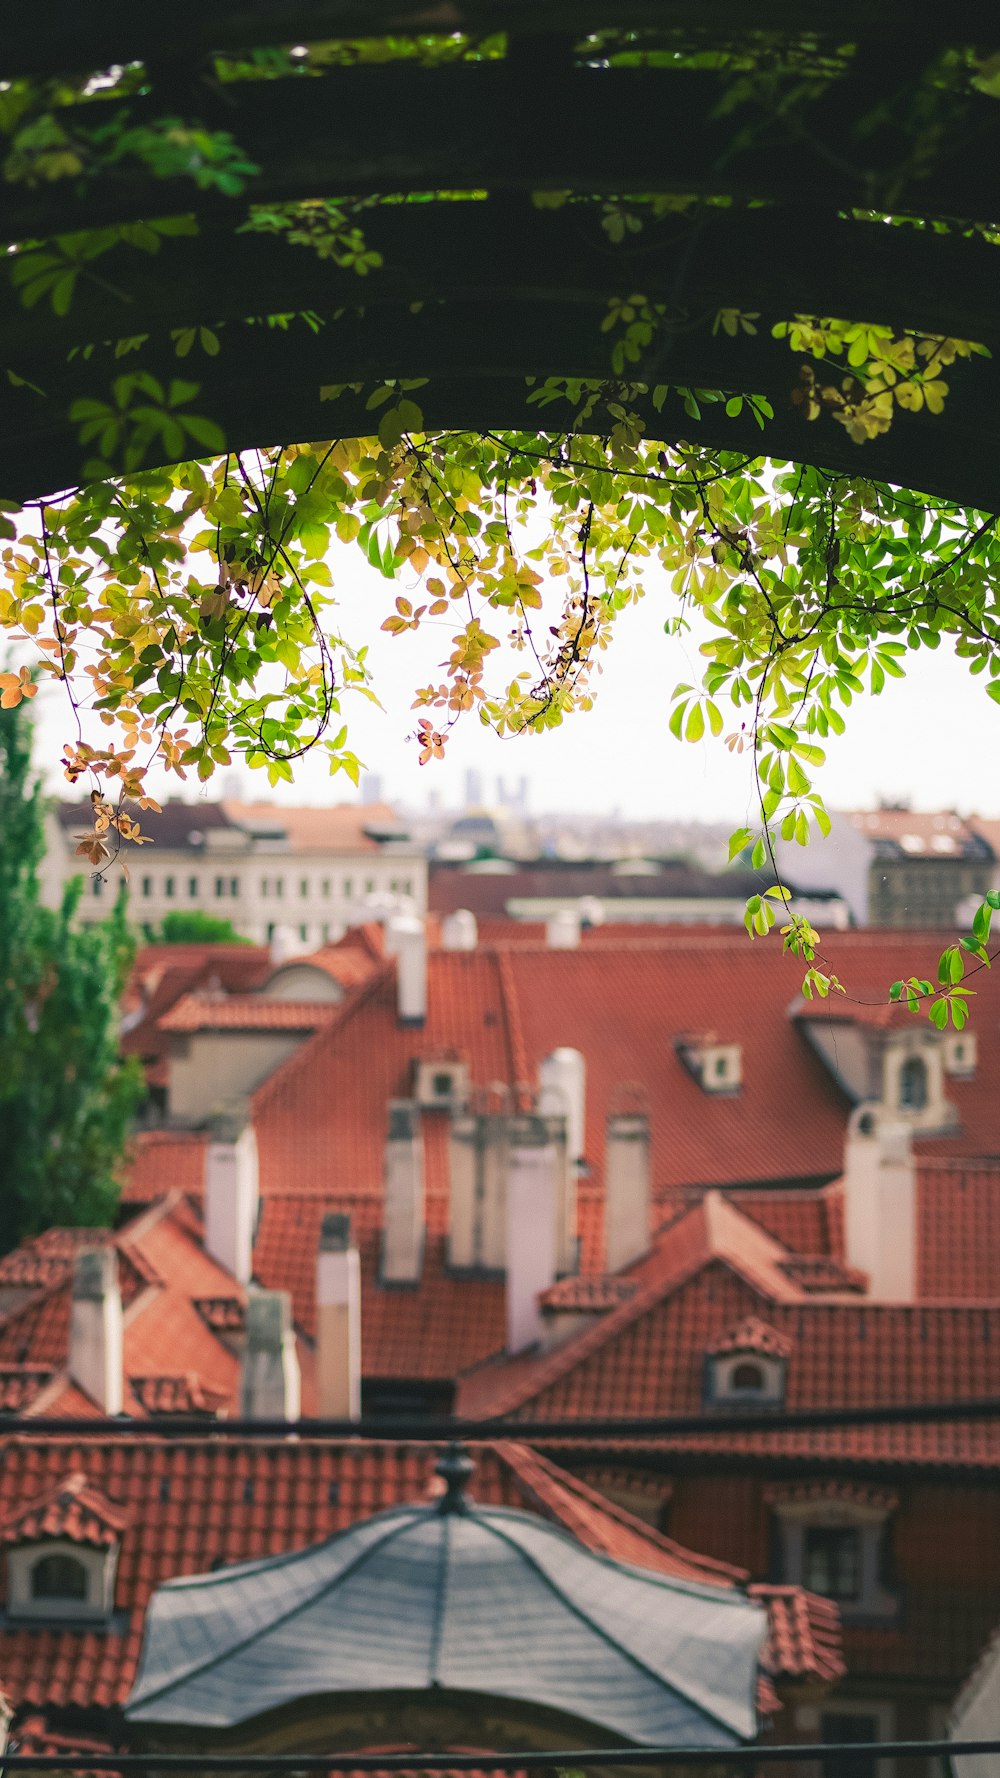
<point>473,789</point>
<point>371,788</point>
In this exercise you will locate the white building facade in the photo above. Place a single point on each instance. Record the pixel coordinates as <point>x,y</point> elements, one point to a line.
<point>293,876</point>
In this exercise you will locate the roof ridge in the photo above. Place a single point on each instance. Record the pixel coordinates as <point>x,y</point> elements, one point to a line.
<point>525,1458</point>
<point>590,1339</point>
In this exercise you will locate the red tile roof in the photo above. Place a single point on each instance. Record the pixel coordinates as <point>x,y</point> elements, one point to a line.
<point>343,827</point>
<point>19,1385</point>
<point>164,1276</point>
<point>245,1012</point>
<point>804,1637</point>
<point>72,1509</point>
<point>188,1505</point>
<point>186,1394</point>
<point>839,1489</point>
<point>751,1335</point>
<point>646,1357</point>
<point>163,1161</point>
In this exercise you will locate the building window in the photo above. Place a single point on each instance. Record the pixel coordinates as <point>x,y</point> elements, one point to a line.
<point>304,888</point>
<point>348,888</point>
<point>220,886</point>
<point>58,1577</point>
<point>234,886</point>
<point>369,885</point>
<point>265,886</point>
<point>831,1561</point>
<point>279,887</point>
<point>193,888</point>
<point>304,934</point>
<point>407,886</point>
<point>96,885</point>
<point>168,887</point>
<point>325,888</point>
<point>748,1376</point>
<point>838,1726</point>
<point>147,887</point>
<point>913,1084</point>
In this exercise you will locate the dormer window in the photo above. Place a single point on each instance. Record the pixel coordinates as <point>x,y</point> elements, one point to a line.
<point>913,1084</point>
<point>440,1084</point>
<point>59,1577</point>
<point>717,1067</point>
<point>831,1537</point>
<point>746,1367</point>
<point>62,1552</point>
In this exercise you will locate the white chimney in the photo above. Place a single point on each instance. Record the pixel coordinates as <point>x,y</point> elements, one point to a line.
<point>627,1190</point>
<point>531,1227</point>
<point>338,1321</point>
<point>880,1204</point>
<point>271,1387</point>
<point>562,1092</point>
<point>284,944</point>
<point>407,939</point>
<point>403,1231</point>
<point>459,931</point>
<point>477,1192</point>
<point>562,930</point>
<point>231,1197</point>
<point>96,1344</point>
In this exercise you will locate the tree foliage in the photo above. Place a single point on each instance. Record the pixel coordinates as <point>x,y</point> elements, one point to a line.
<point>192,927</point>
<point>190,610</point>
<point>66,1098</point>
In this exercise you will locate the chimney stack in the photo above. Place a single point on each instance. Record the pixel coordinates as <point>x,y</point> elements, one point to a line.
<point>231,1196</point>
<point>403,1231</point>
<point>271,1386</point>
<point>627,1191</point>
<point>562,1092</point>
<point>531,1227</point>
<point>338,1321</point>
<point>459,931</point>
<point>880,1204</point>
<point>408,941</point>
<point>562,930</point>
<point>477,1191</point>
<point>96,1344</point>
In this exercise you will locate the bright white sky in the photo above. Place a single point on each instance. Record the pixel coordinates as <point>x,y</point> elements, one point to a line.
<point>932,739</point>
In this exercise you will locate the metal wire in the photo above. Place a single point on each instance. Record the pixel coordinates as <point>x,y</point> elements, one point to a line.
<point>438,1427</point>
<point>571,1759</point>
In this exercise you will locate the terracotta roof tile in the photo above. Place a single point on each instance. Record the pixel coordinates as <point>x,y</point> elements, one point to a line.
<point>603,1291</point>
<point>804,1635</point>
<point>752,1335</point>
<point>73,1509</point>
<point>840,1489</point>
<point>245,1012</point>
<point>19,1385</point>
<point>185,1394</point>
<point>162,1161</point>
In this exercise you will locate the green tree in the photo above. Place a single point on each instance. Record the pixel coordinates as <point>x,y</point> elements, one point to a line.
<point>66,1097</point>
<point>196,928</point>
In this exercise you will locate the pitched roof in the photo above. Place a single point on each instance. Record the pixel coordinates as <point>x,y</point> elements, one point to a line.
<point>751,1335</point>
<point>170,1347</point>
<point>192,1504</point>
<point>343,827</point>
<point>72,1509</point>
<point>646,1357</point>
<point>244,1012</point>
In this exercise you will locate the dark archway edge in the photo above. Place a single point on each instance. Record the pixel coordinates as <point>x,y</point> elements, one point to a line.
<point>268,393</point>
<point>777,261</point>
<point>524,125</point>
<point>105,31</point>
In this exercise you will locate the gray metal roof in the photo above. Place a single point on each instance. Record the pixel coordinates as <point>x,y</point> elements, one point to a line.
<point>471,1599</point>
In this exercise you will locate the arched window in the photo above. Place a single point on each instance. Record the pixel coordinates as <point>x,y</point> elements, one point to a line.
<point>747,1376</point>
<point>58,1577</point>
<point>913,1084</point>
